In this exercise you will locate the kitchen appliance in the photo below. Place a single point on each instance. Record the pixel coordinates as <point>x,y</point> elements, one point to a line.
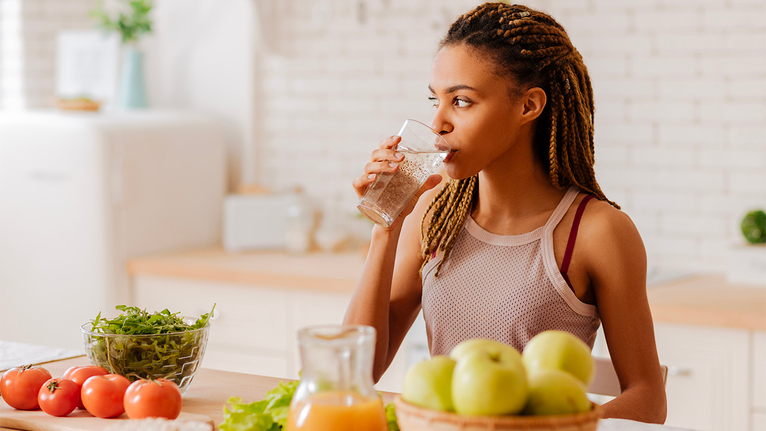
<point>80,193</point>
<point>255,221</point>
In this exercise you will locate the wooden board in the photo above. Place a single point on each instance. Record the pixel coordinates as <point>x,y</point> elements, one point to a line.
<point>78,420</point>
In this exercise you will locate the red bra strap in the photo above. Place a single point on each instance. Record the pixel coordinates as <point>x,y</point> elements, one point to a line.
<point>572,237</point>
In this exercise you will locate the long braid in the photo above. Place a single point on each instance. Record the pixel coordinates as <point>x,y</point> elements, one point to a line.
<point>535,51</point>
<point>451,206</point>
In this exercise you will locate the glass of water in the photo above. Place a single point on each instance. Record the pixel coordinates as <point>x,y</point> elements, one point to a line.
<point>423,150</point>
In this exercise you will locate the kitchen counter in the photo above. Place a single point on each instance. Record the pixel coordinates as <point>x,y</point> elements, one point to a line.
<point>709,300</point>
<point>211,388</point>
<point>314,271</point>
<point>698,300</point>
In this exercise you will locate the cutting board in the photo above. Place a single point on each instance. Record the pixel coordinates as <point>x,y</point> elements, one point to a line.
<point>79,420</point>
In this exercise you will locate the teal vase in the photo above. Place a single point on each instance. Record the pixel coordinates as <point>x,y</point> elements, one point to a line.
<point>132,93</point>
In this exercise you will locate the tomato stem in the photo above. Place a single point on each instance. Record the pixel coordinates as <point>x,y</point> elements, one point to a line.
<point>52,386</point>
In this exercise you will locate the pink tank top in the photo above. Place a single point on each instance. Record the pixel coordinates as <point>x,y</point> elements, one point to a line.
<point>503,287</point>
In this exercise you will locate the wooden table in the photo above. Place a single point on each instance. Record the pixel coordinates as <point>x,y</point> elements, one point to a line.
<point>209,391</point>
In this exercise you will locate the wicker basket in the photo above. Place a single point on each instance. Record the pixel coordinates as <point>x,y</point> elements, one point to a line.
<point>414,418</point>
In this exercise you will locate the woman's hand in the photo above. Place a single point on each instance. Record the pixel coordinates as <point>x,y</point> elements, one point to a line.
<point>385,159</point>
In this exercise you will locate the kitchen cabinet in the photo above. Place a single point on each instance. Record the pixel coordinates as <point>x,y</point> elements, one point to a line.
<point>758,384</point>
<point>708,376</point>
<point>262,300</point>
<point>712,336</point>
<point>81,193</point>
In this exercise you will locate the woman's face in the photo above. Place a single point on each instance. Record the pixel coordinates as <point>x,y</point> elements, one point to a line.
<point>474,111</point>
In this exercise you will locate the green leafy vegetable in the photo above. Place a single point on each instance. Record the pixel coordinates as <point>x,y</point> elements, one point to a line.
<point>391,417</point>
<point>269,414</point>
<point>137,344</point>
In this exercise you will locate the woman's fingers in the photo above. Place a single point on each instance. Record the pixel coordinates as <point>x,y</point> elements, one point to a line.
<point>390,142</point>
<point>386,150</point>
<point>385,159</point>
<point>361,183</point>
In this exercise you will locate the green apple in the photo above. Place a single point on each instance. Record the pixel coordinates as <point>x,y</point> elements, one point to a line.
<point>489,381</point>
<point>429,383</point>
<point>559,350</point>
<point>555,392</point>
<point>490,346</point>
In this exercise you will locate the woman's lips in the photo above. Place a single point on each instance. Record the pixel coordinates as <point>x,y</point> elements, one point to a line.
<point>449,155</point>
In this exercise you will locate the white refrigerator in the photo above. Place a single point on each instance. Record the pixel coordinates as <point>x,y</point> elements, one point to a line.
<point>80,193</point>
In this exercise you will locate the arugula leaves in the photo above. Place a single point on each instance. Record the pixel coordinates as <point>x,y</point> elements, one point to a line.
<point>138,344</point>
<point>135,321</point>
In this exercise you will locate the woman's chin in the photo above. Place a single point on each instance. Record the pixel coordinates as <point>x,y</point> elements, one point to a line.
<point>455,173</point>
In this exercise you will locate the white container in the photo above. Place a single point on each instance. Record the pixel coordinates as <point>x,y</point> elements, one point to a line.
<point>747,264</point>
<point>255,221</point>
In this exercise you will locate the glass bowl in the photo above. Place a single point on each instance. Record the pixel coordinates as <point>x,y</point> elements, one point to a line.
<point>175,356</point>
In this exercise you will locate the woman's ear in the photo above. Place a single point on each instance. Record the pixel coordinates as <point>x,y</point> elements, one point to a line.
<point>534,103</point>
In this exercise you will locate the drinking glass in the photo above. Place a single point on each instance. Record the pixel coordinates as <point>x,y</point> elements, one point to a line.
<point>424,150</point>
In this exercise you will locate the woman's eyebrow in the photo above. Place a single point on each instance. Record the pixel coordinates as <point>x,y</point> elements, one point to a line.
<point>454,88</point>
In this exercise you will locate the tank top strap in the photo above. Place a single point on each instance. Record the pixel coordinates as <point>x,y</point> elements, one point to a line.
<point>562,208</point>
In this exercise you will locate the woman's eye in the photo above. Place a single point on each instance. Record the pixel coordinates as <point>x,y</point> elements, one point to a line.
<point>460,103</point>
<point>434,101</point>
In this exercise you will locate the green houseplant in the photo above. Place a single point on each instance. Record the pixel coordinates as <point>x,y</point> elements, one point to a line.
<point>131,22</point>
<point>130,25</point>
<point>754,227</point>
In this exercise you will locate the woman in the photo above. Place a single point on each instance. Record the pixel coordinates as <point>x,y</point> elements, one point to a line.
<point>491,254</point>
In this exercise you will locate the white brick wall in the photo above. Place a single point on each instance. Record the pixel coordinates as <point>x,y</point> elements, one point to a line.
<point>681,106</point>
<point>680,91</point>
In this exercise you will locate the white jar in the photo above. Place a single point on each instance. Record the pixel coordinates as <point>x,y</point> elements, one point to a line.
<point>300,225</point>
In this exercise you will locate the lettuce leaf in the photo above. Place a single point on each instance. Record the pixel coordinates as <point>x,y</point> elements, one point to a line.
<point>268,414</point>
<point>391,417</point>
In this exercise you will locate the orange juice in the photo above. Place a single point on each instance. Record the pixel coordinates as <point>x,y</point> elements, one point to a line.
<point>337,411</point>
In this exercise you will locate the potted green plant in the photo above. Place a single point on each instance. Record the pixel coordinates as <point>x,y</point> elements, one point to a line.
<point>131,22</point>
<point>747,261</point>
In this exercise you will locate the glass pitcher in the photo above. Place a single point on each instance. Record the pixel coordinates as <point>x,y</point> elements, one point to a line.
<point>335,392</point>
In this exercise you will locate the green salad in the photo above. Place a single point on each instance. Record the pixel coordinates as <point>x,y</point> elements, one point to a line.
<point>270,413</point>
<point>138,344</point>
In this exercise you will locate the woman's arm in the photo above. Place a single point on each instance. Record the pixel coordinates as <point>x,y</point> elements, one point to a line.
<point>387,296</point>
<point>377,303</point>
<point>616,266</point>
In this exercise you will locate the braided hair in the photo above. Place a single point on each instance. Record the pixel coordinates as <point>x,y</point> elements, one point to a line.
<point>534,50</point>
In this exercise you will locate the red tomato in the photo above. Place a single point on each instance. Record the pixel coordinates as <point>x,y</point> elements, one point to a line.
<point>80,374</point>
<point>159,398</point>
<point>20,385</point>
<point>59,397</point>
<point>102,395</point>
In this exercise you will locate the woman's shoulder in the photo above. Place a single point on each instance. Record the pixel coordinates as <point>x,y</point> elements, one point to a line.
<point>608,233</point>
<point>604,218</point>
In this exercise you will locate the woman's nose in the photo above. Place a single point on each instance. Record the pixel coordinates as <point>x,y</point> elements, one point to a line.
<point>440,124</point>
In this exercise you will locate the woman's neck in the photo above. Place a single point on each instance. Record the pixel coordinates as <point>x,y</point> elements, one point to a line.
<point>515,197</point>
